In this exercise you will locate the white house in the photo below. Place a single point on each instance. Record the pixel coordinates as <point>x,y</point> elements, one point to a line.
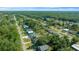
<point>25,26</point>
<point>30,32</point>
<point>66,30</point>
<point>76,46</point>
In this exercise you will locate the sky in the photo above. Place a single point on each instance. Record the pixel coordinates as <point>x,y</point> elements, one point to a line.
<point>39,5</point>
<point>39,8</point>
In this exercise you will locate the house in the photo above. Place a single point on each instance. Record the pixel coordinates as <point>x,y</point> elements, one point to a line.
<point>75,46</point>
<point>43,48</point>
<point>25,26</point>
<point>66,30</point>
<point>29,31</point>
<point>50,31</point>
<point>26,37</point>
<point>32,34</point>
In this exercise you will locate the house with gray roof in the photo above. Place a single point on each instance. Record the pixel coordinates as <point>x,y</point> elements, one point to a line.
<point>75,46</point>
<point>43,48</point>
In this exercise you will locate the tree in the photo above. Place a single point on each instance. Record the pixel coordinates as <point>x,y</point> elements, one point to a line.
<point>74,40</point>
<point>9,37</point>
<point>75,27</point>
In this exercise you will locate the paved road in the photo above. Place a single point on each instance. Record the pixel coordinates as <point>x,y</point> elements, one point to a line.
<point>20,33</point>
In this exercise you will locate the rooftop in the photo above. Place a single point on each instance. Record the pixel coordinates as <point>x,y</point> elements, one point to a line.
<point>76,46</point>
<point>26,37</point>
<point>43,47</point>
<point>66,29</point>
<point>25,26</point>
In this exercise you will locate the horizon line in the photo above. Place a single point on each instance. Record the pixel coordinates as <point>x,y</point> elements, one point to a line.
<point>39,8</point>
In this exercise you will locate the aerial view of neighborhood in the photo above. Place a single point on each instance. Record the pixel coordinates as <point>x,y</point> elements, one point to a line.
<point>53,29</point>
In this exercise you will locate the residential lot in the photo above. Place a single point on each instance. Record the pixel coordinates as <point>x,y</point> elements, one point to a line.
<point>39,31</point>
